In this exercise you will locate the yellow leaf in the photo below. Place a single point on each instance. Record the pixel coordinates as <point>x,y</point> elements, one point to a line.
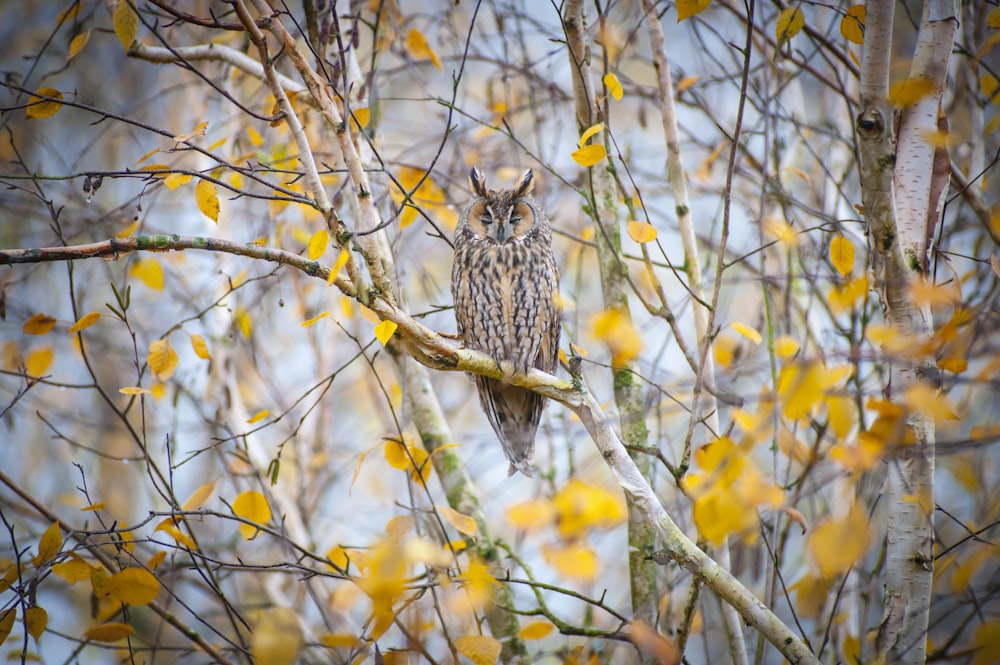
<point>417,46</point>
<point>339,640</point>
<point>77,45</point>
<point>200,347</point>
<point>953,364</point>
<point>581,508</point>
<point>589,155</point>
<point>109,632</point>
<point>785,347</point>
<point>149,271</point>
<point>398,528</point>
<point>910,91</point>
<point>781,230</point>
<point>251,505</point>
<point>993,18</point>
<point>338,557</point>
<point>38,362</point>
<point>73,570</point>
<point>39,324</point>
<point>341,261</point>
<point>7,618</point>
<point>852,25</point>
<point>158,169</point>
<point>126,23</point>
<point>318,244</point>
<point>923,398</point>
<point>689,8</point>
<point>836,545</point>
<point>128,230</point>
<point>309,322</point>
<point>842,254</point>
<point>463,523</point>
<point>843,415</point>
<point>687,82</point>
<point>84,322</point>
<point>175,180</point>
<point>133,390</point>
<point>396,454</point>
<point>39,108</point>
<point>199,130</point>
<point>575,560</point>
<point>206,195</point>
<point>790,22</point>
<point>531,514</point>
<point>482,649</point>
<point>259,416</point>
<point>800,387</point>
<point>69,13</point>
<point>641,232</point>
<point>384,331</point>
<point>199,496</point>
<point>162,359</point>
<point>614,328</point>
<point>94,507</point>
<point>134,586</point>
<point>256,140</point>
<point>48,545</point>
<point>155,560</point>
<point>613,85</point>
<point>535,630</point>
<point>243,322</point>
<point>747,332</point>
<point>592,130</point>
<point>35,621</point>
<point>845,297</point>
<point>987,641</point>
<point>811,594</point>
<point>169,526</point>
<point>362,117</point>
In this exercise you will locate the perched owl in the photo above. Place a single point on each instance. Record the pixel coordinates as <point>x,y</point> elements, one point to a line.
<point>505,282</point>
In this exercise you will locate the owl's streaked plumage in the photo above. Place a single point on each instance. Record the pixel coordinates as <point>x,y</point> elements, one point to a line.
<point>505,283</point>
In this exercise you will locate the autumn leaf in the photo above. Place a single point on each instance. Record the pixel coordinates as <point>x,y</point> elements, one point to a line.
<point>911,90</point>
<point>747,332</point>
<point>259,416</point>
<point>200,347</point>
<point>36,620</point>
<point>126,23</point>
<point>384,331</point>
<point>7,618</point>
<point>109,632</point>
<point>589,155</point>
<point>84,322</point>
<point>251,505</point>
<point>417,46</point>
<point>206,195</point>
<point>48,545</point>
<point>162,359</point>
<point>837,544</point>
<point>688,8</point>
<point>842,254</point>
<point>641,232</point>
<point>39,324</point>
<point>790,22</point>
<point>535,630</point>
<point>852,24</point>
<point>614,328</point>
<point>318,244</point>
<point>134,390</point>
<point>786,347</point>
<point>199,496</point>
<point>314,320</point>
<point>39,108</point>
<point>531,515</point>
<point>574,560</point>
<point>134,586</point>
<point>613,85</point>
<point>463,523</point>
<point>77,45</point>
<point>74,569</point>
<point>149,271</point>
<point>481,649</point>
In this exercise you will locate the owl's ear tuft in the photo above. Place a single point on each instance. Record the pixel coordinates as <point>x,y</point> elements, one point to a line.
<point>525,185</point>
<point>477,181</point>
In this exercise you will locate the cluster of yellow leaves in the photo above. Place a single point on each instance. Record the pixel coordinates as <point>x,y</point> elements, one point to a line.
<point>614,328</point>
<point>590,154</point>
<point>407,456</point>
<point>728,491</point>
<point>428,195</point>
<point>574,511</point>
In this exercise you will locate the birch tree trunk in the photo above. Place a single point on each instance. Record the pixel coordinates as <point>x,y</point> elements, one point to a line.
<point>903,194</point>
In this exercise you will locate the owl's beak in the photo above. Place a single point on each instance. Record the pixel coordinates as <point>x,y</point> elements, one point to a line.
<point>503,232</point>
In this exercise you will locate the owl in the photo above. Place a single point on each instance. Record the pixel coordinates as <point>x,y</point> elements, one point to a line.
<point>505,283</point>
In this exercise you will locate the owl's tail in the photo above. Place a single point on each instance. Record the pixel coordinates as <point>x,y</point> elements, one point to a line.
<point>514,414</point>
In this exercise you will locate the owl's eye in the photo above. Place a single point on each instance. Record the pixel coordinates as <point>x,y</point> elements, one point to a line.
<point>486,220</point>
<point>515,219</point>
